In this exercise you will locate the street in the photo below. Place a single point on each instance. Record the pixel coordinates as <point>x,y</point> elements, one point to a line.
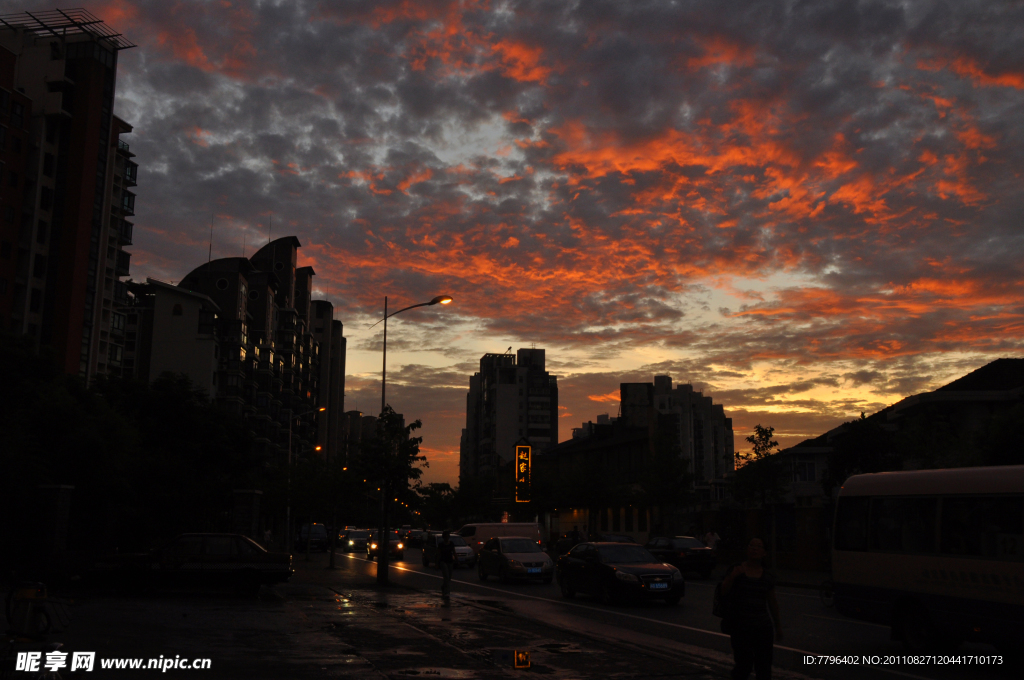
<point>338,624</point>
<point>810,627</point>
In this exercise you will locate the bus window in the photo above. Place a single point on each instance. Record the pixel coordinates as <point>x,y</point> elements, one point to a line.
<point>904,525</point>
<point>991,527</point>
<point>852,524</point>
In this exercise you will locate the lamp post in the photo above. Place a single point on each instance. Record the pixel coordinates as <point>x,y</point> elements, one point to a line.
<point>288,507</point>
<point>383,558</point>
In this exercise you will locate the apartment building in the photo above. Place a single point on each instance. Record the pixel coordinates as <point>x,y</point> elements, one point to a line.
<point>512,399</point>
<point>700,428</point>
<point>246,332</point>
<point>67,179</point>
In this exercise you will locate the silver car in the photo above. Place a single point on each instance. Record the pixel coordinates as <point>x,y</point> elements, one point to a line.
<point>514,557</point>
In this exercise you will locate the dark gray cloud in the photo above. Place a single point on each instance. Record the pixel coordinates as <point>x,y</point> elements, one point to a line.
<point>597,177</point>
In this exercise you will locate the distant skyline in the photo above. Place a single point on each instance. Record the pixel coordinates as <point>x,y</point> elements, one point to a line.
<point>806,209</point>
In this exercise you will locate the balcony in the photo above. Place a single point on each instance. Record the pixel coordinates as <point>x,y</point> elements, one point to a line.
<point>122,264</point>
<point>128,203</point>
<point>131,171</point>
<point>122,146</point>
<point>120,292</point>
<point>125,233</point>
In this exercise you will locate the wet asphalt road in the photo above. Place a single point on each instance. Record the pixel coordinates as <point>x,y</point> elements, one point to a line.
<point>811,628</point>
<point>338,624</point>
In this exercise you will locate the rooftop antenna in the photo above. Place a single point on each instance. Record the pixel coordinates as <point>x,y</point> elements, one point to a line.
<point>509,350</point>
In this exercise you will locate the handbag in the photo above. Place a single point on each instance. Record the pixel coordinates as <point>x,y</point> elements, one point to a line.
<point>721,607</point>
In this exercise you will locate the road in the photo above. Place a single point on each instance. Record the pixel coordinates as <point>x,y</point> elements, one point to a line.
<point>811,629</point>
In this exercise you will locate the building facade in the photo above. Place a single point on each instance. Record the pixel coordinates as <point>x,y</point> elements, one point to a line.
<point>700,429</point>
<point>512,399</point>
<point>245,331</point>
<point>67,181</point>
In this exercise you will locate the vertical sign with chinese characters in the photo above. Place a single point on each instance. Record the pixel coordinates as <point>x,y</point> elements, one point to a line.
<point>522,474</point>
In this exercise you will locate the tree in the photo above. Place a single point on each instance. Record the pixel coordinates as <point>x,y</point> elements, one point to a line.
<point>760,474</point>
<point>761,445</point>
<point>393,457</point>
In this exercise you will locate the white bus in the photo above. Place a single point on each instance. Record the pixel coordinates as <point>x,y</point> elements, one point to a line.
<point>938,555</point>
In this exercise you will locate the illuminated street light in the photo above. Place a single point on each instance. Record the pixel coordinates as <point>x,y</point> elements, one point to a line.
<point>382,556</point>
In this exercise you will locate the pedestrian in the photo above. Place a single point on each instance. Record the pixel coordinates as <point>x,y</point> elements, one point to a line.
<point>711,540</point>
<point>446,561</point>
<point>753,619</point>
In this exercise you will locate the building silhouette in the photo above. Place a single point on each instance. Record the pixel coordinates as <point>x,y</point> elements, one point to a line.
<point>246,332</point>
<point>512,399</point>
<point>67,195</point>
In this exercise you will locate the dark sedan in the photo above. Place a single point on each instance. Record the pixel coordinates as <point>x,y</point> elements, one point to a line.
<point>396,548</point>
<point>201,559</point>
<point>618,571</point>
<point>685,553</point>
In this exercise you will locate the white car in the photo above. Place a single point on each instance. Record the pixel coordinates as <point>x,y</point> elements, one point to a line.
<point>514,557</point>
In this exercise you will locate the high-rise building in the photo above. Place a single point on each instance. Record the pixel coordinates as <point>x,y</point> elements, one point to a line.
<point>511,399</point>
<point>67,179</point>
<point>246,332</point>
<point>701,430</point>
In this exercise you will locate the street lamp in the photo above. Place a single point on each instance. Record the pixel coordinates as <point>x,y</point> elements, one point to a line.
<point>383,540</point>
<point>288,508</point>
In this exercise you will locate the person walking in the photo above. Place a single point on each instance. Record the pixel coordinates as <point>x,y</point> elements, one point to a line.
<point>711,539</point>
<point>753,614</point>
<point>446,561</point>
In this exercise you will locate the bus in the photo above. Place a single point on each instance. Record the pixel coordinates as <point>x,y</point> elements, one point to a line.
<point>938,555</point>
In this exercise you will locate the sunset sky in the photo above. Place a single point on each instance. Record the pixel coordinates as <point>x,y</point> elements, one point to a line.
<point>806,209</point>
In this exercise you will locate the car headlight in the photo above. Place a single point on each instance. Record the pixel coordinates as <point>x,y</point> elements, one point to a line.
<point>351,542</point>
<point>514,564</point>
<point>677,575</point>
<point>623,576</point>
<point>373,546</point>
<point>399,546</point>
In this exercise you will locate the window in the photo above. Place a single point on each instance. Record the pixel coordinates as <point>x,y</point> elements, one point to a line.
<point>186,545</point>
<point>177,310</point>
<point>35,300</point>
<point>117,322</point>
<point>48,164</point>
<point>17,114</point>
<point>220,545</point>
<point>991,527</point>
<point>39,266</point>
<point>629,519</point>
<point>15,144</point>
<point>9,214</point>
<point>222,284</point>
<point>12,179</point>
<point>616,512</point>
<point>852,524</point>
<point>803,471</point>
<point>51,130</point>
<point>45,198</point>
<point>904,525</point>
<point>642,520</point>
<point>5,250</point>
<point>41,229</point>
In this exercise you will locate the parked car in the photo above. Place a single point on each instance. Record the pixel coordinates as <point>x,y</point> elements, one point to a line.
<point>199,559</point>
<point>315,534</point>
<point>514,557</point>
<point>686,553</point>
<point>464,556</point>
<point>618,571</point>
<point>355,540</point>
<point>396,548</point>
<point>614,538</point>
